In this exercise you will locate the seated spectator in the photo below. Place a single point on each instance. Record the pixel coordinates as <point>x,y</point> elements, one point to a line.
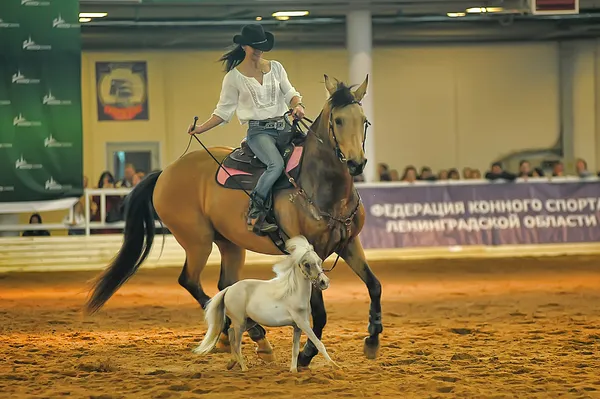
<point>443,175</point>
<point>113,202</point>
<point>394,176</point>
<point>525,169</point>
<point>581,168</point>
<point>453,174</point>
<point>558,169</point>
<point>409,175</point>
<point>475,174</point>
<point>426,174</point>
<point>129,174</point>
<point>383,171</point>
<point>35,219</point>
<point>467,173</point>
<point>497,173</point>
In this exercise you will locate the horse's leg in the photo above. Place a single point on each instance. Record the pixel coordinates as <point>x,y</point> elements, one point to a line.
<point>301,320</point>
<point>319,316</point>
<point>236,332</point>
<point>232,260</point>
<point>354,255</point>
<point>295,349</point>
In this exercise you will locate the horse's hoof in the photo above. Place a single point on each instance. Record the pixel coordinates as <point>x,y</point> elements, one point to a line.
<point>294,370</point>
<point>231,364</point>
<point>222,346</point>
<point>371,348</point>
<point>303,360</point>
<point>265,351</point>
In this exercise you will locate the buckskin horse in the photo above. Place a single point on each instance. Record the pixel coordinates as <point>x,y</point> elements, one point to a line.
<point>202,202</point>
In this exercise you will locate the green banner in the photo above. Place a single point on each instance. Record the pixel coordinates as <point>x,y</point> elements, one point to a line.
<point>41,140</point>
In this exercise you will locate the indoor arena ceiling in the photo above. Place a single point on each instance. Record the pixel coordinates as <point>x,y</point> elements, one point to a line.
<point>208,24</point>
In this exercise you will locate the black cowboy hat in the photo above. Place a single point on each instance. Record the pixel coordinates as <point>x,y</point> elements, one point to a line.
<point>254,35</point>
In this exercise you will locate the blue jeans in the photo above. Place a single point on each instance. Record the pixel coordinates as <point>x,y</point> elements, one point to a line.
<point>265,144</point>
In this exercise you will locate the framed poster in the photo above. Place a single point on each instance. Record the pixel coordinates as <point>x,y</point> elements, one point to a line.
<point>122,91</point>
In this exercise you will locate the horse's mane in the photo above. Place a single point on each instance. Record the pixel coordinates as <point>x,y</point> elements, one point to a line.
<point>288,277</point>
<point>342,96</point>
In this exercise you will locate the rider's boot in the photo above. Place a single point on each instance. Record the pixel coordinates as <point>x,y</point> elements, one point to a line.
<point>257,214</point>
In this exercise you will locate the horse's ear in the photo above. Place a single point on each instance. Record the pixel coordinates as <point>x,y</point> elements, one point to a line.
<point>329,85</point>
<point>362,90</point>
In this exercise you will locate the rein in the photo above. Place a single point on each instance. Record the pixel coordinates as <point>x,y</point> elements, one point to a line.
<point>347,222</point>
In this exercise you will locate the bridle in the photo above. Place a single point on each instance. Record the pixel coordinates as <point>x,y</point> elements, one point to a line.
<point>338,151</point>
<point>313,280</point>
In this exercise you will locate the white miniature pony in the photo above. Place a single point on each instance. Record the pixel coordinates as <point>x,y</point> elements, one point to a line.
<point>282,301</point>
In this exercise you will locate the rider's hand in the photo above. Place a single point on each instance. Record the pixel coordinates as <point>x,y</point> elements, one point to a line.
<point>298,112</point>
<point>196,130</point>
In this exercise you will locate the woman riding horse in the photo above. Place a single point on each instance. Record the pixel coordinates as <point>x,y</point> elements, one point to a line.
<point>260,92</point>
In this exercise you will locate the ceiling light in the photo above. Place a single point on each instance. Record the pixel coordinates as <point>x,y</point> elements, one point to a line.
<point>283,18</point>
<point>290,14</point>
<point>92,14</point>
<point>456,14</point>
<point>85,19</point>
<point>259,18</point>
<point>484,9</point>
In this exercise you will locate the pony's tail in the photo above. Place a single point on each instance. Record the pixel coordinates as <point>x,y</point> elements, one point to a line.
<point>137,242</point>
<point>214,315</point>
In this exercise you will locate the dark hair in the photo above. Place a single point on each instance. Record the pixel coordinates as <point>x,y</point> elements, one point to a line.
<point>104,174</point>
<point>233,57</point>
<point>35,215</point>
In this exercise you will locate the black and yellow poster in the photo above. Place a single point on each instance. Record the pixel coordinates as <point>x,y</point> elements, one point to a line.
<point>122,91</point>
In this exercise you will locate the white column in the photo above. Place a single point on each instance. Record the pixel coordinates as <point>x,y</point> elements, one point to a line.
<point>359,41</point>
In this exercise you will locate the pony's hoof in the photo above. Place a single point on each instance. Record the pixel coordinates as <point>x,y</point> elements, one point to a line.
<point>371,348</point>
<point>232,363</point>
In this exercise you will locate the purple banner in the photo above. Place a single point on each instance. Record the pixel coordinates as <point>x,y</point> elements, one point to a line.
<point>480,214</point>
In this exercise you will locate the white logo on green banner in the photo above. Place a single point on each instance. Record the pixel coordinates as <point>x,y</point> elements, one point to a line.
<point>6,145</point>
<point>49,99</point>
<point>21,79</point>
<point>30,45</point>
<point>52,142</point>
<point>60,23</point>
<point>23,164</point>
<point>35,3</point>
<point>52,184</point>
<point>20,121</point>
<point>4,102</point>
<point>7,188</point>
<point>8,24</point>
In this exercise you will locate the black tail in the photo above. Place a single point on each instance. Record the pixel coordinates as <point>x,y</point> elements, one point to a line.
<point>137,242</point>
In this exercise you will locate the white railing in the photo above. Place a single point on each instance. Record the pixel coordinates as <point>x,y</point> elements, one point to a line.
<point>87,226</point>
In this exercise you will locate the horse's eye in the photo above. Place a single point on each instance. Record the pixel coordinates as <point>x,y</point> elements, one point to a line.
<point>307,265</point>
<point>338,121</point>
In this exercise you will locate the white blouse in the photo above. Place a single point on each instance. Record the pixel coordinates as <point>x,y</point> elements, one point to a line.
<point>253,101</point>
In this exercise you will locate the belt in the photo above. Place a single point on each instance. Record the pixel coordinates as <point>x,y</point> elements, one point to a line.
<point>274,123</point>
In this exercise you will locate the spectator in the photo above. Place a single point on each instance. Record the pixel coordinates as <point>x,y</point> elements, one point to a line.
<point>525,169</point>
<point>35,219</point>
<point>467,173</point>
<point>129,173</point>
<point>394,176</point>
<point>581,168</point>
<point>426,174</point>
<point>409,175</point>
<point>113,202</point>
<point>453,174</point>
<point>558,169</point>
<point>475,174</point>
<point>497,173</point>
<point>383,170</point>
<point>443,175</point>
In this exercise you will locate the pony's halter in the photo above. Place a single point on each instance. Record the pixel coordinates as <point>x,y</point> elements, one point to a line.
<point>337,149</point>
<point>313,280</point>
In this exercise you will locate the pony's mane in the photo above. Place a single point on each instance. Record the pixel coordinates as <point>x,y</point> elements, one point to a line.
<point>288,276</point>
<point>342,96</point>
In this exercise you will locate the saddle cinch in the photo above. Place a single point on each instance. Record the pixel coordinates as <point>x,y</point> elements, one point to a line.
<point>241,169</point>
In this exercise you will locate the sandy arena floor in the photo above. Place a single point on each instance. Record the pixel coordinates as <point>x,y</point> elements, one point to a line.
<point>520,328</point>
